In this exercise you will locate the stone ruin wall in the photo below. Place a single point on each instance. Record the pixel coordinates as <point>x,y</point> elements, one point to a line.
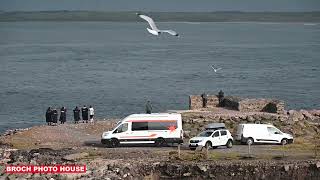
<point>240,104</point>
<point>195,102</point>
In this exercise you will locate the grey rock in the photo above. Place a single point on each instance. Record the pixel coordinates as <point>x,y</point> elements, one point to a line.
<point>33,162</point>
<point>76,156</point>
<point>202,168</point>
<point>307,115</point>
<point>187,174</point>
<point>295,115</point>
<point>250,119</point>
<point>286,168</point>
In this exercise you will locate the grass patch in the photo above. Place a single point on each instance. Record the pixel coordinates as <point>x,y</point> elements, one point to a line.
<point>201,155</point>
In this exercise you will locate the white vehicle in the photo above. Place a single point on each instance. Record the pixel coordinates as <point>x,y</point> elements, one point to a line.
<point>261,133</point>
<point>156,128</point>
<point>212,138</point>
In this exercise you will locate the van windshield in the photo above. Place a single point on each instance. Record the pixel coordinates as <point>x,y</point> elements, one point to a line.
<point>205,134</point>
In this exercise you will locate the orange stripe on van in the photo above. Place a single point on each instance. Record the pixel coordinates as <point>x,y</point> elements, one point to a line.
<point>152,135</point>
<point>151,120</point>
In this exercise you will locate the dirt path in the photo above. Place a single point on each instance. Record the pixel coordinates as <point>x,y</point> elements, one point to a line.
<point>60,136</point>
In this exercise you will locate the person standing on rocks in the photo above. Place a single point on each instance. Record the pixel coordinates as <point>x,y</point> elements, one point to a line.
<point>91,113</point>
<point>76,115</point>
<point>221,98</point>
<point>84,112</point>
<point>63,115</point>
<point>49,116</point>
<point>54,116</point>
<point>148,107</point>
<point>204,97</point>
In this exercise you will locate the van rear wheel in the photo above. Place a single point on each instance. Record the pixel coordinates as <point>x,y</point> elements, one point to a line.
<point>249,141</point>
<point>160,142</point>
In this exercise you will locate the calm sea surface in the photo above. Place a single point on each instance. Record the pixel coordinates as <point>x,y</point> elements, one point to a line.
<point>116,67</point>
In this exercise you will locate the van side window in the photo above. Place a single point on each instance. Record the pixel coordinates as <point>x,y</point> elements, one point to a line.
<point>216,134</point>
<point>273,130</point>
<point>161,125</point>
<point>223,133</point>
<point>139,126</point>
<point>122,128</point>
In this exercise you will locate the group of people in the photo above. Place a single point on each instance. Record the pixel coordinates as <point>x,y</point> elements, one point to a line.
<point>52,115</point>
<point>204,97</point>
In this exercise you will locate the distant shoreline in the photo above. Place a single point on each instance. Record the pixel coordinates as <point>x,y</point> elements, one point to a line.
<point>129,16</point>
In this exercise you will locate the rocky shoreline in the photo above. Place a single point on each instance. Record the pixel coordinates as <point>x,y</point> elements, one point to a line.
<point>79,144</point>
<point>171,168</point>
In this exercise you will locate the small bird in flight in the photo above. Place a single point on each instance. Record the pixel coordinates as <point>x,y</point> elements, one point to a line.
<point>215,69</point>
<point>154,30</point>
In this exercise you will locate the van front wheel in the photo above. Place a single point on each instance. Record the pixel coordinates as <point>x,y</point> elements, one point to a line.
<point>113,143</point>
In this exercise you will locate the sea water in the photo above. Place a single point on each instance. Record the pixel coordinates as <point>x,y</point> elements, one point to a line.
<point>117,67</point>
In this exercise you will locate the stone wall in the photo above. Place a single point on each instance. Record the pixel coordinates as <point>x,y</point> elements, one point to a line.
<point>240,104</point>
<point>195,102</point>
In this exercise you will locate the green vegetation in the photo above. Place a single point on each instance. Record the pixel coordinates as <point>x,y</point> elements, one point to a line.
<point>232,16</point>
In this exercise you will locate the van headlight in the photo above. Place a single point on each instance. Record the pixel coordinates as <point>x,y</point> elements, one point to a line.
<point>105,134</point>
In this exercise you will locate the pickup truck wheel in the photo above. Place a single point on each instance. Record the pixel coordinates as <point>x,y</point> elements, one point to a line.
<point>249,141</point>
<point>284,141</point>
<point>208,145</point>
<point>229,143</point>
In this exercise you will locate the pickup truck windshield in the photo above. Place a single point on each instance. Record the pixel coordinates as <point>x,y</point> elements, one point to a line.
<point>205,134</point>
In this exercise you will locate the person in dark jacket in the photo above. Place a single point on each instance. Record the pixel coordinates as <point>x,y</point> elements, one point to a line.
<point>76,115</point>
<point>48,116</point>
<point>204,99</point>
<point>63,115</point>
<point>54,116</point>
<point>148,107</point>
<point>84,111</point>
<point>221,98</point>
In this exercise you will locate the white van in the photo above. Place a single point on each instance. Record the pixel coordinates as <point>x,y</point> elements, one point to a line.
<point>156,128</point>
<point>261,133</point>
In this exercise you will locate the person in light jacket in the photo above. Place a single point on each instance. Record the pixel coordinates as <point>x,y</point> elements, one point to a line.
<point>91,114</point>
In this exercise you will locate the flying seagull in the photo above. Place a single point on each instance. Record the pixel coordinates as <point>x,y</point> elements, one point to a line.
<point>215,69</point>
<point>154,30</point>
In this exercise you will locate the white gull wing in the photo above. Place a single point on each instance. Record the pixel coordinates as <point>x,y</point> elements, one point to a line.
<point>173,33</point>
<point>150,21</point>
<point>215,69</point>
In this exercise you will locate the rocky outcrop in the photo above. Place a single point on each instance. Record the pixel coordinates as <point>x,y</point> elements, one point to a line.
<point>295,122</point>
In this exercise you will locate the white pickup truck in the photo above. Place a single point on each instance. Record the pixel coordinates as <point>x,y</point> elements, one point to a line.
<point>215,135</point>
